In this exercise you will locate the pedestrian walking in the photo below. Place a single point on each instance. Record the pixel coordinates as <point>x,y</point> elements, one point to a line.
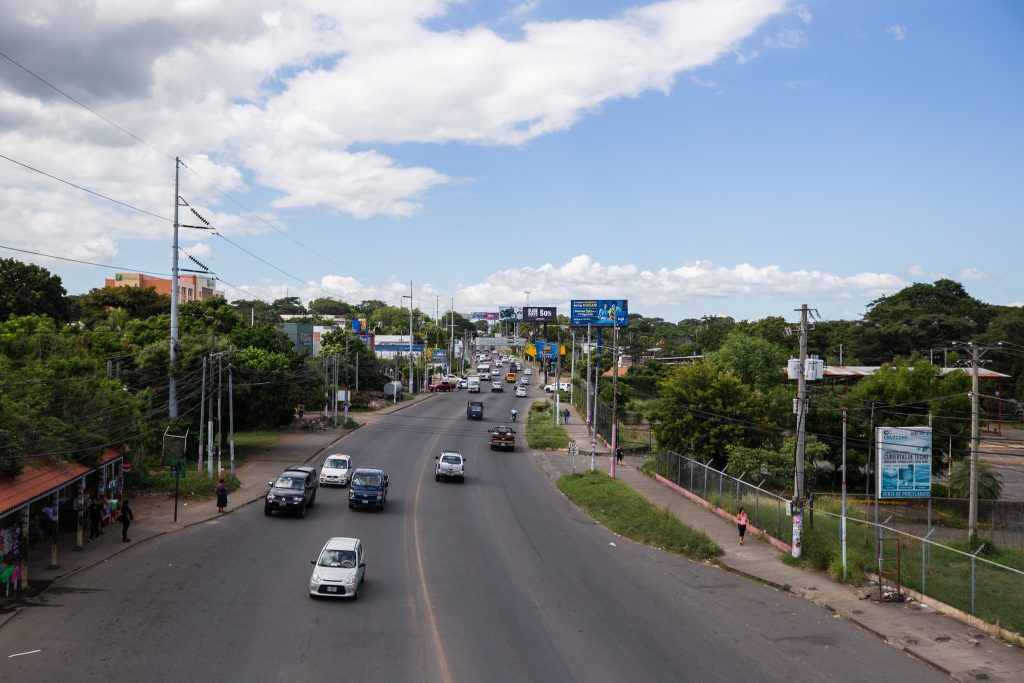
<point>222,496</point>
<point>565,416</point>
<point>95,517</point>
<point>618,455</point>
<point>301,410</point>
<point>126,520</point>
<point>741,523</point>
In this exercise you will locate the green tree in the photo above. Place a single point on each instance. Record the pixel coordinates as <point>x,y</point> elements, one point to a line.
<point>702,408</point>
<point>990,482</point>
<point>920,317</point>
<point>326,306</point>
<point>27,289</point>
<point>136,302</point>
<point>756,361</point>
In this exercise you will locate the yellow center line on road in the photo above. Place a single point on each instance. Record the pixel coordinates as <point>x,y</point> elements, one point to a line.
<point>435,633</point>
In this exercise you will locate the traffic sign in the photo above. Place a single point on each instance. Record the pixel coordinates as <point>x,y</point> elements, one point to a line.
<point>574,448</point>
<point>178,468</point>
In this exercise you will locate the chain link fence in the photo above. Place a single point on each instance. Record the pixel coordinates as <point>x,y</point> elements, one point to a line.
<point>969,582</point>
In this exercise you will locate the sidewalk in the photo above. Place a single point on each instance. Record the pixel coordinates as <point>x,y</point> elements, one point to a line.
<point>154,512</point>
<point>951,646</point>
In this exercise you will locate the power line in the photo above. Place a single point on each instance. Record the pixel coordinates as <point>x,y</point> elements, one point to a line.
<point>87,263</point>
<point>80,104</point>
<point>85,189</point>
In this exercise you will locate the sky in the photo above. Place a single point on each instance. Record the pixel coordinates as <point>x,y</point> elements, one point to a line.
<point>695,157</point>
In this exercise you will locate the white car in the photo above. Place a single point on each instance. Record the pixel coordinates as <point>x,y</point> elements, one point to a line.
<point>520,391</point>
<point>525,381</point>
<point>339,570</point>
<point>562,386</point>
<point>336,469</point>
<point>498,386</point>
<point>528,371</point>
<point>450,465</point>
<point>485,375</point>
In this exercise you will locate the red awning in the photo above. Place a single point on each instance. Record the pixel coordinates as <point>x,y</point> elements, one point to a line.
<point>38,479</point>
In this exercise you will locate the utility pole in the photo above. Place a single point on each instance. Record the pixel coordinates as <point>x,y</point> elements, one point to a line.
<point>410,335</point>
<point>220,421</point>
<point>842,528</point>
<point>801,435</point>
<point>972,510</point>
<point>202,411</point>
<point>209,434</point>
<point>231,416</point>
<point>615,398</point>
<point>172,383</point>
<point>589,417</point>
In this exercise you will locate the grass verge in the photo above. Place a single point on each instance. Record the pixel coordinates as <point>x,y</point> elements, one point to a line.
<point>541,431</point>
<point>628,513</point>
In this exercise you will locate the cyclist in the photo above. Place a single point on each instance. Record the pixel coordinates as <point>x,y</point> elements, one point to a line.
<point>514,413</point>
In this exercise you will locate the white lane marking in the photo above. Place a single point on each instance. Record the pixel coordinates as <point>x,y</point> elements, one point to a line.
<point>30,652</point>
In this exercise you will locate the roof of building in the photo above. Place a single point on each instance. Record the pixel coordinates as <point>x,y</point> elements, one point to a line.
<point>39,478</point>
<point>867,370</point>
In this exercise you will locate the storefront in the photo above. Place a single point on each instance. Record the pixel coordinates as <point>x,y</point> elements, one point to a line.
<point>45,500</point>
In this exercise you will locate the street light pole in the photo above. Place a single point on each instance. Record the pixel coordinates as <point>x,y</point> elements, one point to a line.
<point>172,382</point>
<point>615,399</point>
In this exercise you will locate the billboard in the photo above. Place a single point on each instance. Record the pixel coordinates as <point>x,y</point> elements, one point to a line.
<point>548,350</point>
<point>509,313</point>
<point>489,316</point>
<point>440,356</point>
<point>500,341</point>
<point>539,314</point>
<point>904,462</point>
<point>599,312</point>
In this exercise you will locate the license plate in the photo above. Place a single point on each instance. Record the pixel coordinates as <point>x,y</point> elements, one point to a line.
<point>332,589</point>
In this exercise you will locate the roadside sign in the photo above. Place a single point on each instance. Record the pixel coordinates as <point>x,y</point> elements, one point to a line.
<point>178,468</point>
<point>574,448</point>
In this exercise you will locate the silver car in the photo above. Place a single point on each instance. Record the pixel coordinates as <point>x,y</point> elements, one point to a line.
<point>336,470</point>
<point>339,570</point>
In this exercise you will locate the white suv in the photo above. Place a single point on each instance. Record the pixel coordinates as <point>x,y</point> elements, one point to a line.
<point>450,465</point>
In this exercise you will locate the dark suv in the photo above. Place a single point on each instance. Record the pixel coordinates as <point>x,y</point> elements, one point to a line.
<point>368,487</point>
<point>294,490</point>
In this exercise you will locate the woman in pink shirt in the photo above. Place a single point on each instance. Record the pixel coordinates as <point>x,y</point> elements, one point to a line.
<point>741,523</point>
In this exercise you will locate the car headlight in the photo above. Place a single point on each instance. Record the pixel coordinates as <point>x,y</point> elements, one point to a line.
<point>270,497</point>
<point>315,578</point>
<point>349,580</point>
<point>379,496</point>
<point>351,493</point>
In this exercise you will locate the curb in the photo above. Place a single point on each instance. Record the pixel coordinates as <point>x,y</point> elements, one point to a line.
<point>8,617</point>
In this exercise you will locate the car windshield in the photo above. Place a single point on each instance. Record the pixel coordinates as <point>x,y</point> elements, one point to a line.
<point>451,459</point>
<point>337,463</point>
<point>366,480</point>
<point>345,559</point>
<point>289,483</point>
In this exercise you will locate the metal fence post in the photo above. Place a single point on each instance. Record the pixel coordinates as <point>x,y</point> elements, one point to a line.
<point>706,480</point>
<point>679,469</point>
<point>690,466</point>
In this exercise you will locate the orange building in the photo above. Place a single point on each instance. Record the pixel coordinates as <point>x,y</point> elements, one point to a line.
<point>190,287</point>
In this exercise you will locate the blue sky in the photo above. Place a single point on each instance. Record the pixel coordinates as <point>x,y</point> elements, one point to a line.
<point>817,152</point>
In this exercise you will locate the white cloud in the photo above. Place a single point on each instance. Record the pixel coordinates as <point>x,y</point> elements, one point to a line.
<point>915,271</point>
<point>582,277</point>
<point>703,82</point>
<point>302,102</point>
<point>896,31</point>
<point>804,14</point>
<point>969,274</point>
<point>784,39</point>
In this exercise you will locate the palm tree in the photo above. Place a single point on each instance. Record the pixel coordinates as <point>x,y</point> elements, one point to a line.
<point>990,482</point>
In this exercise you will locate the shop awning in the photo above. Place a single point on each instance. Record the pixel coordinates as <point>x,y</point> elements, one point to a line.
<point>40,478</point>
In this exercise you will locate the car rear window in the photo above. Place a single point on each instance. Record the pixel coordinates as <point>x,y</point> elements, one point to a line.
<point>451,459</point>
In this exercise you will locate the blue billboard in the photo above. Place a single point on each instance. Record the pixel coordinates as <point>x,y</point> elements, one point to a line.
<point>548,350</point>
<point>599,312</point>
<point>904,462</point>
<point>440,356</point>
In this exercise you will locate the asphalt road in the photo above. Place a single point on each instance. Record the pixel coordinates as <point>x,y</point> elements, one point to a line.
<point>496,579</point>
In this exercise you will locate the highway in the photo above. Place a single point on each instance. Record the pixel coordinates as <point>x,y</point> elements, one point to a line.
<point>497,579</point>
